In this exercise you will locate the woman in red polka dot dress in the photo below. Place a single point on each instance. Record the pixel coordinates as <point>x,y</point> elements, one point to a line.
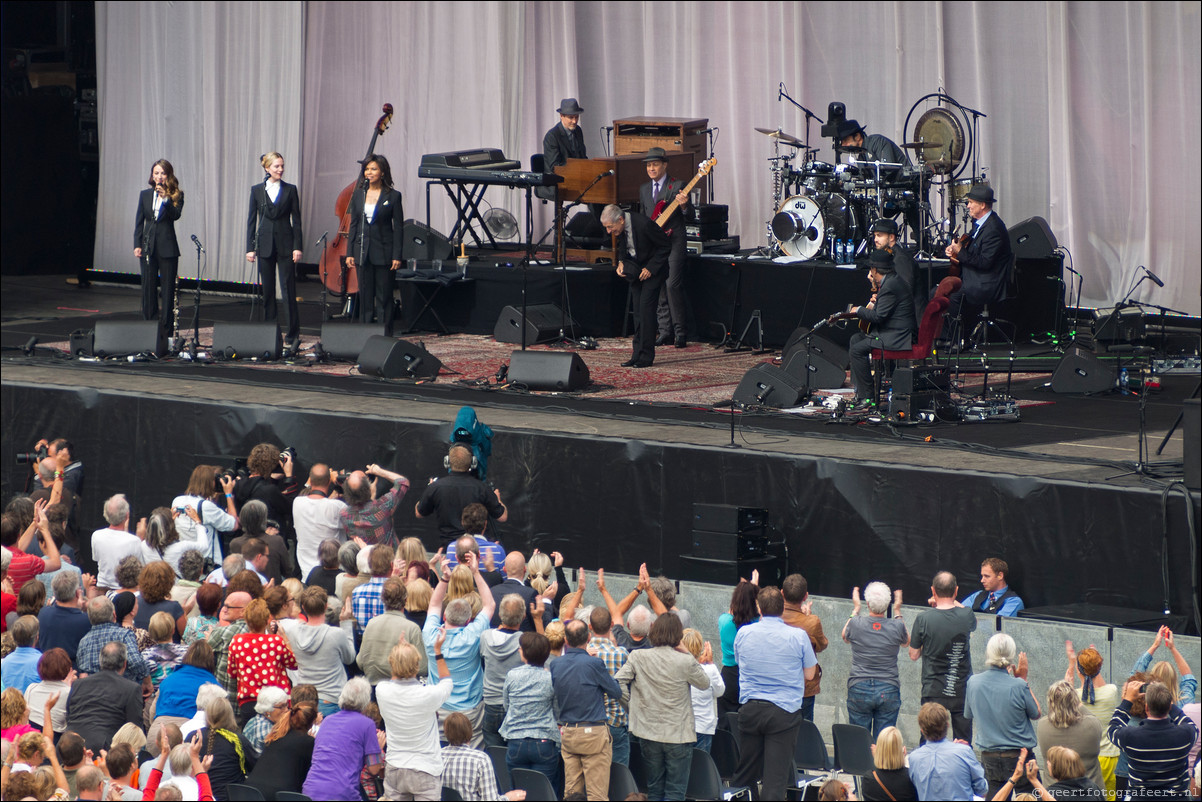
<point>258,659</point>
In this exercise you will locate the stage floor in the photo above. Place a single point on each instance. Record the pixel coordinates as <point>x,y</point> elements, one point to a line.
<point>1078,438</point>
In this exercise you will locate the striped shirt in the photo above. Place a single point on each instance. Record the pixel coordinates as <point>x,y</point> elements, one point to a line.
<point>1157,750</point>
<point>614,658</point>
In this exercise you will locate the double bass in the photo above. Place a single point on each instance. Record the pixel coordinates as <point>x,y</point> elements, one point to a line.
<point>338,278</point>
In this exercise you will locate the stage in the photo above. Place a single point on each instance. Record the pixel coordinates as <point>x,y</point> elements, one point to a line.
<point>609,476</point>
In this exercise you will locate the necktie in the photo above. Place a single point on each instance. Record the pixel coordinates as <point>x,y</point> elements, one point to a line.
<point>656,195</point>
<point>989,604</point>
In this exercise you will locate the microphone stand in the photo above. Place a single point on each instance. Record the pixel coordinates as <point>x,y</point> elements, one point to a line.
<point>324,243</point>
<point>195,344</point>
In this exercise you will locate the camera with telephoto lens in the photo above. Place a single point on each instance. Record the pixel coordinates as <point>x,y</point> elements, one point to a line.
<point>37,455</point>
<point>239,471</point>
<point>290,452</point>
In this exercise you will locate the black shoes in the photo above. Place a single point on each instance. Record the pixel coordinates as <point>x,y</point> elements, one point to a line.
<point>635,363</point>
<point>681,342</point>
<point>663,339</point>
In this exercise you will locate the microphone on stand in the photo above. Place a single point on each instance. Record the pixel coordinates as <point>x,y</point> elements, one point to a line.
<point>321,239</point>
<point>1155,278</point>
<point>196,242</point>
<point>606,173</point>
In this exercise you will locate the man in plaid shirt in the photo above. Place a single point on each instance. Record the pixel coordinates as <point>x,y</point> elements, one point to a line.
<point>232,624</point>
<point>614,656</point>
<point>365,516</point>
<point>104,631</point>
<point>469,771</point>
<point>367,600</point>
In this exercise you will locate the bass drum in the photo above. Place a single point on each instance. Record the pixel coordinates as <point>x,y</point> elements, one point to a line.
<point>799,228</point>
<point>845,218</point>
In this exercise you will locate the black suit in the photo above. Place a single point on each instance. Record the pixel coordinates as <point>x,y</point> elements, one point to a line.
<point>375,245</point>
<point>160,255</point>
<point>671,311</point>
<point>651,250</point>
<point>559,145</point>
<point>985,262</point>
<point>273,232</point>
<point>892,319</point>
<point>907,271</point>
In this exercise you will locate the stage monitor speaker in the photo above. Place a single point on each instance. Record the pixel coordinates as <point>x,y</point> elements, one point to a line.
<point>824,347</point>
<point>817,372</point>
<point>128,337</point>
<point>1191,423</point>
<point>1032,239</point>
<point>728,545</point>
<point>346,340</point>
<point>392,358</point>
<point>82,342</point>
<point>769,386</point>
<point>424,243</point>
<point>246,340</point>
<point>1079,371</point>
<point>548,370</point>
<point>542,324</point>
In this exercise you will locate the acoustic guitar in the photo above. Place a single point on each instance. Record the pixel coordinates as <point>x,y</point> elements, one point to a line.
<point>665,209</point>
<point>953,269</point>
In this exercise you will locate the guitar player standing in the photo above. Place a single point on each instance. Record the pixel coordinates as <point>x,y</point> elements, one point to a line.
<point>660,191</point>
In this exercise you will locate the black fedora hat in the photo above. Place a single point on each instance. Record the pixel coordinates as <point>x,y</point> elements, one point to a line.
<point>881,259</point>
<point>568,106</point>
<point>847,128</point>
<point>982,193</point>
<point>885,226</point>
<point>656,155</point>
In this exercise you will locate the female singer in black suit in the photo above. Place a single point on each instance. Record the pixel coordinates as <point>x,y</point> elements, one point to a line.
<point>273,236</point>
<point>154,241</point>
<point>375,242</point>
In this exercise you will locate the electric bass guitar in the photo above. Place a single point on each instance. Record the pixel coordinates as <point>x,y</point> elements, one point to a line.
<point>665,209</point>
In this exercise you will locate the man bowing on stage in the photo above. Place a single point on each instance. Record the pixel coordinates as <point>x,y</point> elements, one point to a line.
<point>643,250</point>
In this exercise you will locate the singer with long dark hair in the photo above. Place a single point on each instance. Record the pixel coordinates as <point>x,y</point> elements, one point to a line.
<point>375,242</point>
<point>273,238</point>
<point>154,241</point>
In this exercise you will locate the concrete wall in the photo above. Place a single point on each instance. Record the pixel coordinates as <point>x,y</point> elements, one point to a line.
<point>1043,641</point>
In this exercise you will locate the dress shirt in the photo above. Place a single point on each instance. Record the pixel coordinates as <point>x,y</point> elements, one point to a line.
<point>772,657</point>
<point>581,683</point>
<point>469,771</point>
<point>367,601</point>
<point>1010,606</point>
<point>1001,708</point>
<point>20,668</point>
<point>273,190</point>
<point>461,651</point>
<point>946,770</point>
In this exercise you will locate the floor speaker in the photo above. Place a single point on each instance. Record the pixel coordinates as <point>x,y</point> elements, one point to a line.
<point>828,349</point>
<point>424,243</point>
<point>1032,239</point>
<point>769,386</point>
<point>822,373</point>
<point>542,324</point>
<point>391,358</point>
<point>346,340</point>
<point>728,572</point>
<point>1079,371</point>
<point>548,370</point>
<point>246,340</point>
<point>126,337</point>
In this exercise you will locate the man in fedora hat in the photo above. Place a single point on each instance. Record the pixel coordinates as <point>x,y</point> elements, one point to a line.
<point>670,315</point>
<point>985,260</point>
<point>566,140</point>
<point>891,315</point>
<point>881,148</point>
<point>884,235</point>
<point>643,250</point>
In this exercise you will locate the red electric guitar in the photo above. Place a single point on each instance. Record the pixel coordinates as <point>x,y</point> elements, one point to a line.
<point>665,209</point>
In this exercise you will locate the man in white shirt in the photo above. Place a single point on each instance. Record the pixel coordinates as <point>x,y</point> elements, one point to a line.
<point>315,516</point>
<point>112,545</point>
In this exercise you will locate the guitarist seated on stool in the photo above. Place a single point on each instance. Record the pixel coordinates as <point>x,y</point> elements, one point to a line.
<point>981,258</point>
<point>891,315</point>
<point>654,196</point>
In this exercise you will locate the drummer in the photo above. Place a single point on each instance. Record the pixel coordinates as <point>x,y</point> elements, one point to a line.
<point>881,148</point>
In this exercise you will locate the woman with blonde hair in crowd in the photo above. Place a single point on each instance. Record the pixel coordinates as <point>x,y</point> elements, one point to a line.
<point>417,600</point>
<point>1066,724</point>
<point>462,585</point>
<point>890,780</point>
<point>705,709</point>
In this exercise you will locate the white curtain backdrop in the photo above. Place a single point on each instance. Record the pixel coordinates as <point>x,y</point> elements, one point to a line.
<point>209,87</point>
<point>1092,107</point>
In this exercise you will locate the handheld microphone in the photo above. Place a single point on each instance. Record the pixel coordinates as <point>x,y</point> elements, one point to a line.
<point>606,173</point>
<point>321,239</point>
<point>1155,278</point>
<point>196,242</point>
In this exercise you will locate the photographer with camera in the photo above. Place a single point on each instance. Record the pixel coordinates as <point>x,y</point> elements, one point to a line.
<point>368,515</point>
<point>317,515</point>
<point>271,481</point>
<point>200,517</point>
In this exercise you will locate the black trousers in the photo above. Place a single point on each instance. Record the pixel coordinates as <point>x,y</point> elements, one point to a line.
<point>159,275</point>
<point>646,297</point>
<point>375,294</point>
<point>861,367</point>
<point>767,735</point>
<point>672,312</point>
<point>267,275</point>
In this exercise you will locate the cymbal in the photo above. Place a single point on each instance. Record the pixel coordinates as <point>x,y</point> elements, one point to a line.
<point>776,133</point>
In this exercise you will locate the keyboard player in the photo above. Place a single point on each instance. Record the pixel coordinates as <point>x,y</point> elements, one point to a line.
<point>564,141</point>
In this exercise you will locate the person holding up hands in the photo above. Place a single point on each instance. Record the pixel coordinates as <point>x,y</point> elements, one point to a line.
<point>873,687</point>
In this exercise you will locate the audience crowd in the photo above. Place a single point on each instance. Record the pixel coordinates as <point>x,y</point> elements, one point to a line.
<point>264,633</point>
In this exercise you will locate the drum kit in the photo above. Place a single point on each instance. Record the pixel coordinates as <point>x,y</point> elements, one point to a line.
<point>826,211</point>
